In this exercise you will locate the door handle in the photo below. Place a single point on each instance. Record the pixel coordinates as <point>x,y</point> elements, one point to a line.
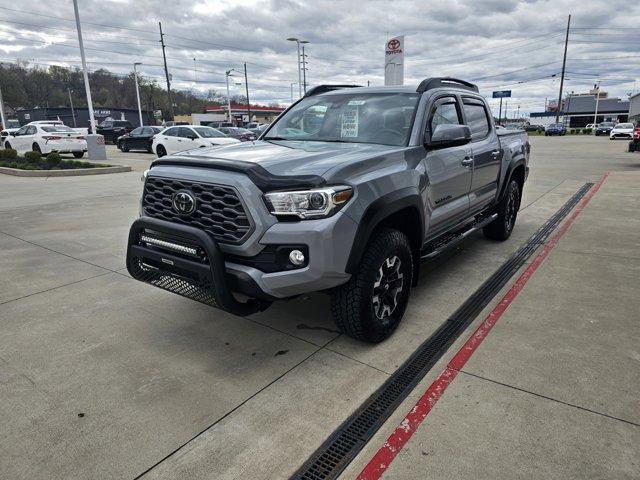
<point>467,161</point>
<point>495,153</point>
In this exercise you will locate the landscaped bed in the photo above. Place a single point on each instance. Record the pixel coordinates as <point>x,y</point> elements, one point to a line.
<point>33,164</point>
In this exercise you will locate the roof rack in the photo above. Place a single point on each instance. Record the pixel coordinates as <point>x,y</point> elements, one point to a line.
<point>327,88</point>
<point>437,82</point>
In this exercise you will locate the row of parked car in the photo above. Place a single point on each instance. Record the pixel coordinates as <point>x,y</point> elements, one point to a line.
<point>48,136</point>
<point>165,141</point>
<point>615,131</point>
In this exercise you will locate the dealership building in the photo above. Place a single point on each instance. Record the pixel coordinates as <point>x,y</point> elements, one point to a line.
<point>79,117</point>
<point>634,108</point>
<point>579,110</point>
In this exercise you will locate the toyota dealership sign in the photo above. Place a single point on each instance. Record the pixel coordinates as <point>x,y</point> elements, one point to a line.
<point>394,61</point>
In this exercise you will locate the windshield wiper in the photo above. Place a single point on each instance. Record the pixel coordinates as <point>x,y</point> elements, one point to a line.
<point>279,138</point>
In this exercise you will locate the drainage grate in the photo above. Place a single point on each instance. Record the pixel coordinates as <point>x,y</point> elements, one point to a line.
<point>343,445</point>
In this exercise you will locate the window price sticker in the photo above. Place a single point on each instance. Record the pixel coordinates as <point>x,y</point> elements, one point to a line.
<point>349,123</point>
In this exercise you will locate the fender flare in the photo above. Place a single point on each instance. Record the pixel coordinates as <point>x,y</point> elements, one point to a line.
<point>378,211</point>
<point>507,178</point>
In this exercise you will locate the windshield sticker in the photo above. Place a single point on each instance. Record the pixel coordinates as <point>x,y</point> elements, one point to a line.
<point>349,123</point>
<point>356,102</point>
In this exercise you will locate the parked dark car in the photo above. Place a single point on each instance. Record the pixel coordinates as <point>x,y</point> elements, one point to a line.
<point>138,139</point>
<point>604,128</point>
<point>534,128</point>
<point>112,129</point>
<point>241,134</point>
<point>259,129</point>
<point>555,129</point>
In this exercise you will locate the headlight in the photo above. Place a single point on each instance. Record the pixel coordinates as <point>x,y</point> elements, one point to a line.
<point>144,176</point>
<point>304,204</point>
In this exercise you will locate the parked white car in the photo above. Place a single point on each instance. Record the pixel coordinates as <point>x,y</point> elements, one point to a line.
<point>5,134</point>
<point>46,138</point>
<point>621,130</point>
<point>185,137</point>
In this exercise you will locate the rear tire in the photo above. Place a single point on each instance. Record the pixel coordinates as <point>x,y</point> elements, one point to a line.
<point>501,228</point>
<point>161,151</point>
<point>78,154</point>
<point>371,304</point>
<point>36,148</point>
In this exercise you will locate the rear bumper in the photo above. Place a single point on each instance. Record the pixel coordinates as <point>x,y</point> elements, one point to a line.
<point>197,273</point>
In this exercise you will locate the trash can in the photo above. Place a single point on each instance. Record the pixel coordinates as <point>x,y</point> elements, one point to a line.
<point>95,147</point>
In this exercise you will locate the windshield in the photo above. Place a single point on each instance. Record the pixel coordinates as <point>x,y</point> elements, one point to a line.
<point>208,132</point>
<point>383,118</point>
<point>624,125</point>
<point>57,128</point>
<point>606,124</point>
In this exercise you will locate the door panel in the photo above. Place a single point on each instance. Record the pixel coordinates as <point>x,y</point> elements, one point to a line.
<point>487,155</point>
<point>448,169</point>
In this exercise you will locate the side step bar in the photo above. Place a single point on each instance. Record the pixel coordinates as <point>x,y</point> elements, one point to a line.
<point>435,248</point>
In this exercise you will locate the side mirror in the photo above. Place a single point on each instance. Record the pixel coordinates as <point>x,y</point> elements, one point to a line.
<point>449,135</point>
<point>192,136</point>
<point>13,134</point>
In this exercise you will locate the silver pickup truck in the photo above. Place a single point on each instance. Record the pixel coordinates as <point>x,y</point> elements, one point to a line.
<point>347,192</point>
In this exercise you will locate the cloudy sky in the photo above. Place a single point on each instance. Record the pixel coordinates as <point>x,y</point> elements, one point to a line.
<point>499,44</point>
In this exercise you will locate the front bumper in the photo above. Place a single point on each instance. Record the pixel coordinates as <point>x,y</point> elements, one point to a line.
<point>186,261</point>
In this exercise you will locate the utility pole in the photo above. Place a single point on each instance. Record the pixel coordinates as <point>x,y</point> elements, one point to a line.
<point>166,71</point>
<point>4,125</point>
<point>73,112</point>
<point>564,64</point>
<point>304,71</point>
<point>246,86</point>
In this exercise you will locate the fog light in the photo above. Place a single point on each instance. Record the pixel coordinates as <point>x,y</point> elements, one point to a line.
<point>296,257</point>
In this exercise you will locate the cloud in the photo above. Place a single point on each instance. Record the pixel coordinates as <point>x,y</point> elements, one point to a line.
<point>500,43</point>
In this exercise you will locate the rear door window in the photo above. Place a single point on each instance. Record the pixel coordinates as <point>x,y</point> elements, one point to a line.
<point>171,132</point>
<point>477,119</point>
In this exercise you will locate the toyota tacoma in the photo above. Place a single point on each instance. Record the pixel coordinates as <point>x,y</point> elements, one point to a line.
<point>347,193</point>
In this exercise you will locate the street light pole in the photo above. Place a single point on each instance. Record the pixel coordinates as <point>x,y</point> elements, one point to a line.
<point>73,112</point>
<point>304,71</point>
<point>92,119</point>
<point>135,77</point>
<point>298,42</point>
<point>292,84</point>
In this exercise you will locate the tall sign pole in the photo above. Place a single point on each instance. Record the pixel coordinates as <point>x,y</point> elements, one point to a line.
<point>73,112</point>
<point>92,119</point>
<point>394,61</point>
<point>564,64</point>
<point>500,114</point>
<point>166,71</point>
<point>135,79</point>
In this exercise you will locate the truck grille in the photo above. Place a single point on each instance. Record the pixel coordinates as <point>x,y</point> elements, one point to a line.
<point>219,211</point>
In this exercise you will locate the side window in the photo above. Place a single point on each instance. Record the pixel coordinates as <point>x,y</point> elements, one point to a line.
<point>185,132</point>
<point>172,132</point>
<point>137,131</point>
<point>22,131</point>
<point>476,116</point>
<point>445,111</point>
<point>31,130</point>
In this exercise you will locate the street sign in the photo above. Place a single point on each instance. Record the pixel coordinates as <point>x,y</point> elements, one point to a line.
<point>502,94</point>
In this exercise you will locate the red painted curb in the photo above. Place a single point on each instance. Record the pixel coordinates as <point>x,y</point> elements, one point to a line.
<point>403,432</point>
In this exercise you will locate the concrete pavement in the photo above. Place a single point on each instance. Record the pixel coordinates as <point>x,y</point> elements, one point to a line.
<point>105,377</point>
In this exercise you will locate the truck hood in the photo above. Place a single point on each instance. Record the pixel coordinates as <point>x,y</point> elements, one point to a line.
<point>286,157</point>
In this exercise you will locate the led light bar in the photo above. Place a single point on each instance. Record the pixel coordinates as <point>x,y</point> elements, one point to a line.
<point>176,247</point>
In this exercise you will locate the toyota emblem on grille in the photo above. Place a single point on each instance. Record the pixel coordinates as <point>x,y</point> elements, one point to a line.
<point>183,202</point>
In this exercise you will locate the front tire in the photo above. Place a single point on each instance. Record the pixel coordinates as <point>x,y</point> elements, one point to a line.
<point>7,145</point>
<point>161,151</point>
<point>370,306</point>
<point>78,154</point>
<point>501,228</point>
